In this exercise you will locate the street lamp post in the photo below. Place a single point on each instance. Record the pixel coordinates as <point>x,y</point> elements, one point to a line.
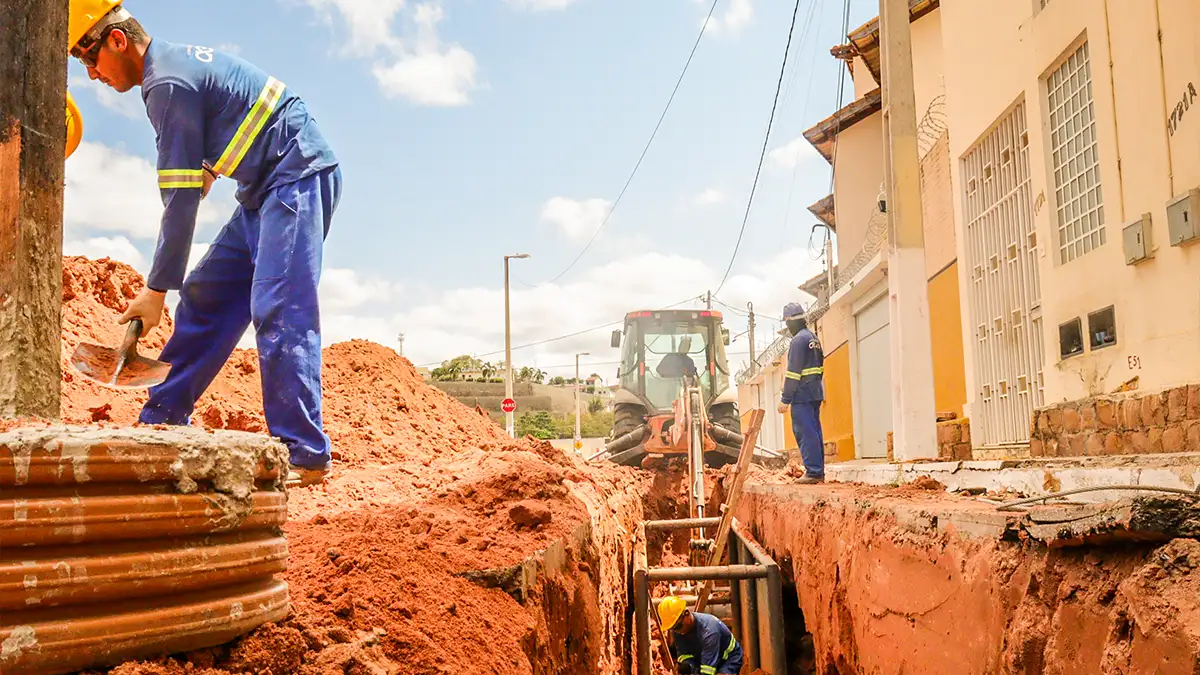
<point>578,399</point>
<point>509,425</point>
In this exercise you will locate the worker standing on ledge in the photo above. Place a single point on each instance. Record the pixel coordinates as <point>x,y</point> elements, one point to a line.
<point>803,391</point>
<point>703,644</point>
<point>217,115</point>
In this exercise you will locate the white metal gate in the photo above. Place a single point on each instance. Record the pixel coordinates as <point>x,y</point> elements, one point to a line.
<point>874,378</point>
<point>1005,293</point>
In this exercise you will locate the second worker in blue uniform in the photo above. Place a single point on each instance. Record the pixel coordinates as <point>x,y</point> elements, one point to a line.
<point>804,391</point>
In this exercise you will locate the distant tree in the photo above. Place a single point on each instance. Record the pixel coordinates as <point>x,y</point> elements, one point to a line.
<point>539,424</point>
<point>596,405</point>
<point>487,370</point>
<point>558,380</point>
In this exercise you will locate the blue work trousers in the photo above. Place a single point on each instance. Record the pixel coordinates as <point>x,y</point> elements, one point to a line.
<point>806,425</point>
<point>264,268</point>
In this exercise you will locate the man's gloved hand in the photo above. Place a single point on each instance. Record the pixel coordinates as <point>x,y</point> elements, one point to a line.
<point>148,307</point>
<point>783,408</point>
<point>687,667</point>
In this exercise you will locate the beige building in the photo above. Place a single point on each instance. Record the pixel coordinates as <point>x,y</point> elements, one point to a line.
<point>1060,175</point>
<point>1075,151</point>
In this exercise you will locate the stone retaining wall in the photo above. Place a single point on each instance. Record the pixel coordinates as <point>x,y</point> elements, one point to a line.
<point>1119,424</point>
<point>953,439</point>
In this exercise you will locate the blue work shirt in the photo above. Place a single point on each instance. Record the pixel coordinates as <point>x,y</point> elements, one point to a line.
<point>805,378</point>
<point>711,643</point>
<point>215,109</point>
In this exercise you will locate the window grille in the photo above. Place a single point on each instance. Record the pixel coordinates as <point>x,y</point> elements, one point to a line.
<point>1075,159</point>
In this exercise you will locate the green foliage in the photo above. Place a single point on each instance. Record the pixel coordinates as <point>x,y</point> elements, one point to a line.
<point>545,425</point>
<point>595,405</point>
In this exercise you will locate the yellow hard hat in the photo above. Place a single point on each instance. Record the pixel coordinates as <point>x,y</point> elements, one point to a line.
<point>84,15</point>
<point>669,611</point>
<point>74,125</point>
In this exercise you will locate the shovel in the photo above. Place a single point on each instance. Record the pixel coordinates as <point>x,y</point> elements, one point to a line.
<point>121,368</point>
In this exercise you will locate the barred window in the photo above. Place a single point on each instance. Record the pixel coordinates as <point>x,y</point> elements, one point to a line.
<point>1075,158</point>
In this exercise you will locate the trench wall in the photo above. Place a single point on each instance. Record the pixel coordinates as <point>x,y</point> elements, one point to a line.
<point>889,582</point>
<point>578,588</point>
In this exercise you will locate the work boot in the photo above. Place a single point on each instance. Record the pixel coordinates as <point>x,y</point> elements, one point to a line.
<point>300,477</point>
<point>810,480</point>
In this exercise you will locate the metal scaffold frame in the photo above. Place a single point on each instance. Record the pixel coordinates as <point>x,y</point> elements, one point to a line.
<point>755,595</point>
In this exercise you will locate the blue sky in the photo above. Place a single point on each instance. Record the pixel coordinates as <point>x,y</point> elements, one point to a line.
<point>468,129</point>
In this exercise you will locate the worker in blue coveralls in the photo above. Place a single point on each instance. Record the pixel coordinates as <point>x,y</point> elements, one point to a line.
<point>701,643</point>
<point>217,115</point>
<point>803,392</point>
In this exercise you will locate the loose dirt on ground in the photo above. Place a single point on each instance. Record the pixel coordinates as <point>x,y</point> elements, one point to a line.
<point>424,489</point>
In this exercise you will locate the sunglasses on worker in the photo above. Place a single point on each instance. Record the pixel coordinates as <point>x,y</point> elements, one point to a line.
<point>89,53</point>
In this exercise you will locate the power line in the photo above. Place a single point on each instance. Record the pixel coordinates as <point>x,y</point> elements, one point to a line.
<point>645,150</point>
<point>560,337</point>
<point>762,155</point>
<point>738,310</point>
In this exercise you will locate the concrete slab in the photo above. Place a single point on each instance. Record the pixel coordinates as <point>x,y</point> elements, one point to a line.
<point>1034,476</point>
<point>1145,519</point>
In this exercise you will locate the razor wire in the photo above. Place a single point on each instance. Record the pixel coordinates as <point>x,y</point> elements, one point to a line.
<point>930,131</point>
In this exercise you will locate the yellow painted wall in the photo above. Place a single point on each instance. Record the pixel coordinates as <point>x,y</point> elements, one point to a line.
<point>837,416</point>
<point>945,324</point>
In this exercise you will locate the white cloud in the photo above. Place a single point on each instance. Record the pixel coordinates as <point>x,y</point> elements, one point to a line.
<point>108,190</point>
<point>541,5</point>
<point>343,289</point>
<point>736,16</point>
<point>422,69</point>
<point>470,320</point>
<point>370,22</point>
<point>795,152</point>
<point>710,197</point>
<point>230,48</point>
<point>125,105</point>
<point>117,248</point>
<point>578,219</point>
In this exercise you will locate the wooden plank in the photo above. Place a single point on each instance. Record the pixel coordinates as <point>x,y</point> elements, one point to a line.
<point>731,503</point>
<point>33,132</point>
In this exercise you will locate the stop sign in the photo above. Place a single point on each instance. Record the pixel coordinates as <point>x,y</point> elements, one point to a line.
<point>508,405</point>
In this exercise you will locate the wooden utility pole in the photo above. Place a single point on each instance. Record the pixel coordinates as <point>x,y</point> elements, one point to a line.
<point>913,415</point>
<point>33,133</point>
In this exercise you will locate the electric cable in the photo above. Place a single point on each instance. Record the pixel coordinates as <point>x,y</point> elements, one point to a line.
<point>763,154</point>
<point>1009,506</point>
<point>646,149</point>
<point>561,337</point>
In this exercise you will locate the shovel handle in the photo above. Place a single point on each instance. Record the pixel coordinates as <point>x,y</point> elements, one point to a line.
<point>131,335</point>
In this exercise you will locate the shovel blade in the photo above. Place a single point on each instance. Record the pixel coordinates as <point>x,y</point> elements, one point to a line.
<point>100,364</point>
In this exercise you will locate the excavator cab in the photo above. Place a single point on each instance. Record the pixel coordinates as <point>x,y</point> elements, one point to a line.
<point>674,379</point>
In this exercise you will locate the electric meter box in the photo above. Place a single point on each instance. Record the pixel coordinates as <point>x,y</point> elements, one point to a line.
<point>1183,218</point>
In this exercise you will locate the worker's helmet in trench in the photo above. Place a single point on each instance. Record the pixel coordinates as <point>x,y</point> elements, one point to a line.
<point>669,611</point>
<point>88,18</point>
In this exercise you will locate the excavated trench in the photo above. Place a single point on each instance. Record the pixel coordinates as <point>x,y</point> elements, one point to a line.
<point>443,546</point>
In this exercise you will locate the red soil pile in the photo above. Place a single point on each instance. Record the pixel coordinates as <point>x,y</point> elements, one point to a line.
<point>425,492</point>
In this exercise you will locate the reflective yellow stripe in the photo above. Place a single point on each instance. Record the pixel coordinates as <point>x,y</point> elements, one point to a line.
<point>812,371</point>
<point>255,120</point>
<point>729,649</point>
<point>169,179</point>
<point>707,670</point>
<point>792,376</point>
<point>685,657</point>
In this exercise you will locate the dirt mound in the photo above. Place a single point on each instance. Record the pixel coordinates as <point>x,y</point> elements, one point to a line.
<point>406,555</point>
<point>95,293</point>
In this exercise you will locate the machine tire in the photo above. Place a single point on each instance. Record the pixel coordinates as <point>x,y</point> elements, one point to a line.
<point>725,415</point>
<point>626,418</point>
